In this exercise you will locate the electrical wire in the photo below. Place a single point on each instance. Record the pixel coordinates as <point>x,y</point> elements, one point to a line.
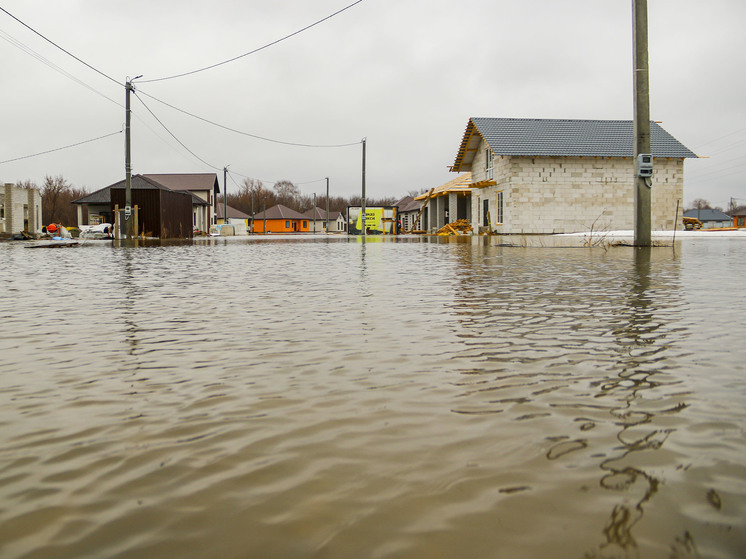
<point>253,51</point>
<point>61,148</point>
<point>173,135</point>
<point>59,47</point>
<point>297,144</point>
<point>28,50</point>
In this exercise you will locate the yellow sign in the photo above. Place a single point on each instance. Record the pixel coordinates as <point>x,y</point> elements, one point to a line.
<point>378,219</point>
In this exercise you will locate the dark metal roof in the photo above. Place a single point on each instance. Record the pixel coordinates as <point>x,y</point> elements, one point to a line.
<point>187,181</point>
<point>562,138</point>
<point>138,182</point>
<point>708,215</point>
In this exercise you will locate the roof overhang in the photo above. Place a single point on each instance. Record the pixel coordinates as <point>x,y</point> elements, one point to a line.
<point>468,148</point>
<point>484,183</point>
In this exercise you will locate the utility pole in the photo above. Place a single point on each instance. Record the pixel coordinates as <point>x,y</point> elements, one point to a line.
<point>362,210</point>
<point>643,184</point>
<point>327,206</point>
<point>225,195</point>
<point>128,161</point>
<point>314,213</point>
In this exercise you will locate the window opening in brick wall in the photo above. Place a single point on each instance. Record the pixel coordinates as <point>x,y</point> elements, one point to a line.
<point>499,207</point>
<point>490,163</point>
<point>486,213</point>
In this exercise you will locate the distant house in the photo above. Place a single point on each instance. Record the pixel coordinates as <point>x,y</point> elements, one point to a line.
<point>408,211</point>
<point>711,219</point>
<point>337,222</point>
<point>317,221</point>
<point>279,219</point>
<point>561,176</point>
<point>202,185</point>
<point>447,203</point>
<point>20,209</point>
<point>240,221</point>
<point>162,212</point>
<point>234,215</point>
<point>739,218</point>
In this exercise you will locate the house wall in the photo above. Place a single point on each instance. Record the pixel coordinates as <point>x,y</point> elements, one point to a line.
<point>279,225</point>
<point>20,209</point>
<point>564,195</point>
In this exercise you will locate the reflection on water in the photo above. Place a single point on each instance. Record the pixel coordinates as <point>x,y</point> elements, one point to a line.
<point>412,397</point>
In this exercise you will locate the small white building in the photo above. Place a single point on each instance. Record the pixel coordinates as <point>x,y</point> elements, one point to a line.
<point>20,209</point>
<point>562,176</point>
<point>317,221</point>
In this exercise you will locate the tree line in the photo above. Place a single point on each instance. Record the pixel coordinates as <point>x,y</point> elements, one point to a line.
<point>57,195</point>
<point>702,204</point>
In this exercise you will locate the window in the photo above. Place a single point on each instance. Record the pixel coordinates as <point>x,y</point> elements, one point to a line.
<point>305,224</point>
<point>287,225</point>
<point>486,213</point>
<point>499,207</point>
<point>740,221</point>
<point>489,163</point>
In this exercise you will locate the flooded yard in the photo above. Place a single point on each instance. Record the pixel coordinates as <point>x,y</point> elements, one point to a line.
<point>334,398</point>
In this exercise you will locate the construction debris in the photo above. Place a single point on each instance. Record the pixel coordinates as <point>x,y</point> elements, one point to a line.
<point>459,227</point>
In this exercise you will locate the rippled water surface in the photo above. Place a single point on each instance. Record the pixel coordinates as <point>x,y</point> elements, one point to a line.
<point>419,398</point>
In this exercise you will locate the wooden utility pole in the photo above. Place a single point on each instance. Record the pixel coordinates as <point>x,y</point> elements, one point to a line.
<point>362,210</point>
<point>327,205</point>
<point>643,185</point>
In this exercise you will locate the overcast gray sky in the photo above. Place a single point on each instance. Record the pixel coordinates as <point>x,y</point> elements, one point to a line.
<point>405,74</point>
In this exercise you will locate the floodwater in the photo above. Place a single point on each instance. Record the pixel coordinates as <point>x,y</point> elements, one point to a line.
<point>411,398</point>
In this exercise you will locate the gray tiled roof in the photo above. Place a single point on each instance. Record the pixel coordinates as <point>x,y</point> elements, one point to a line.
<point>573,138</point>
<point>708,215</point>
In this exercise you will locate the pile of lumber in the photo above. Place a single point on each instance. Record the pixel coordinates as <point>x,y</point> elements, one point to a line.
<point>459,227</point>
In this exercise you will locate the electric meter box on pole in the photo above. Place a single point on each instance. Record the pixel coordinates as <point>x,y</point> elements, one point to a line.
<point>645,165</point>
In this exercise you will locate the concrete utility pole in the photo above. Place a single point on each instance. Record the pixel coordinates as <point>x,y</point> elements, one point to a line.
<point>643,185</point>
<point>128,161</point>
<point>362,210</point>
<point>127,165</point>
<point>327,206</point>
<point>225,196</point>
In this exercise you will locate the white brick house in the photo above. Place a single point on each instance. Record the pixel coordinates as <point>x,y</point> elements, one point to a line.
<point>20,209</point>
<point>563,176</point>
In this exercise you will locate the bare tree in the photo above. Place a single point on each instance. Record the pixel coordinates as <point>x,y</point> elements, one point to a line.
<point>288,194</point>
<point>700,204</point>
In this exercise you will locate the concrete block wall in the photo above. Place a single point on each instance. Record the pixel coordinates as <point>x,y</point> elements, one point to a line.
<point>20,204</point>
<point>565,195</point>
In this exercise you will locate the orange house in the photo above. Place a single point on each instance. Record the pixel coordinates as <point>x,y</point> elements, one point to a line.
<point>279,219</point>
<point>739,219</point>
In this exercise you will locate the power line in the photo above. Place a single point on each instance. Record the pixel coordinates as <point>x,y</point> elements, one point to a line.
<point>297,144</point>
<point>28,50</point>
<point>174,136</point>
<point>59,47</point>
<point>255,50</point>
<point>61,148</point>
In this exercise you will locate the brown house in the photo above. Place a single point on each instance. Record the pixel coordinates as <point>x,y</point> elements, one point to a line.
<point>162,212</point>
